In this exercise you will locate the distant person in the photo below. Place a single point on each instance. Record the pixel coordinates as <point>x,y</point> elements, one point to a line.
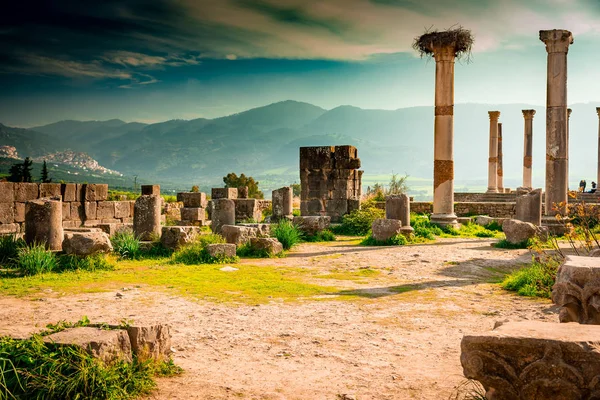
<point>593,189</point>
<point>582,185</point>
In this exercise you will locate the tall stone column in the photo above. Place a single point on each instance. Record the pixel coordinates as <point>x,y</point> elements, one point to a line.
<point>443,154</point>
<point>598,177</point>
<point>528,148</point>
<point>500,179</point>
<point>557,45</point>
<point>569,111</point>
<point>493,159</point>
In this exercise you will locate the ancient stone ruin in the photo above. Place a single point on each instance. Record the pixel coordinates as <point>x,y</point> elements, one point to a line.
<point>331,181</point>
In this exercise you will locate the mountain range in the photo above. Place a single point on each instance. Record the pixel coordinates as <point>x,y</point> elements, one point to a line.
<point>263,142</point>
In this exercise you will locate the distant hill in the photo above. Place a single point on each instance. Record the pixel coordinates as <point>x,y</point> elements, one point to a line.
<point>264,142</point>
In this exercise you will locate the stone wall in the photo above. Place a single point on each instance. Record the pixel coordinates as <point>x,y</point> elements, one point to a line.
<point>466,209</point>
<point>83,204</point>
<point>330,181</point>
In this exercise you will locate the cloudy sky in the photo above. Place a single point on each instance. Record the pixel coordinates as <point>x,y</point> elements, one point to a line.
<point>153,60</point>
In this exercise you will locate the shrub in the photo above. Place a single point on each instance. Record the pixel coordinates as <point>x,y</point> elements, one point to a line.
<point>536,280</point>
<point>425,227</point>
<point>322,236</point>
<point>494,226</point>
<point>267,212</point>
<point>91,263</point>
<point>505,244</point>
<point>196,253</point>
<point>485,234</point>
<point>126,245</point>
<point>398,240</point>
<point>248,251</point>
<point>423,232</point>
<point>9,249</point>
<point>287,233</point>
<point>358,222</point>
<point>35,259</point>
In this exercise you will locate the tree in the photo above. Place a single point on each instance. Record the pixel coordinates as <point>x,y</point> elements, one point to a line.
<point>195,189</point>
<point>296,189</point>
<point>21,172</point>
<point>45,178</point>
<point>27,167</point>
<point>397,185</point>
<point>234,181</point>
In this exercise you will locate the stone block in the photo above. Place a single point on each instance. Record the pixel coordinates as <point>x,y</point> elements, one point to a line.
<point>247,209</point>
<point>193,214</point>
<point>191,199</point>
<point>313,207</point>
<point>529,207</point>
<point>91,223</point>
<point>353,205</point>
<point>95,192</point>
<point>149,190</point>
<point>77,211</point>
<point>317,157</point>
<point>19,212</point>
<point>7,192</point>
<point>219,250</point>
<point>71,224</point>
<point>238,234</point>
<point>173,237</point>
<point>336,209</point>
<point>26,191</point>
<point>385,229</point>
<point>146,218</point>
<point>398,207</point>
<point>110,220</point>
<point>346,157</point>
<point>52,190</point>
<point>43,223</point>
<point>311,225</point>
<point>518,231</point>
<point>79,192</point>
<point>104,344</point>
<point>7,213</point>
<point>242,192</point>
<point>270,245</point>
<point>577,290</point>
<point>122,209</point>
<point>86,243</point>
<point>105,210</point>
<point>263,229</point>
<point>223,213</point>
<point>90,209</point>
<point>152,341</point>
<point>533,360</point>
<point>9,228</point>
<point>224,193</point>
<point>69,192</point>
<point>484,220</point>
<point>66,211</point>
<point>282,202</point>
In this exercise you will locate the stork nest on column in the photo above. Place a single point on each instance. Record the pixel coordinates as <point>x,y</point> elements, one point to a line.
<point>459,38</point>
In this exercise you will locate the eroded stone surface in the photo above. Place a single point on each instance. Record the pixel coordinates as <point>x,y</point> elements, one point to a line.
<point>173,237</point>
<point>43,223</point>
<point>518,231</point>
<point>238,234</point>
<point>221,249</point>
<point>86,243</point>
<point>150,341</point>
<point>384,229</point>
<point>146,217</point>
<point>533,360</point>
<point>271,245</point>
<point>577,290</point>
<point>312,225</point>
<point>529,207</point>
<point>107,345</point>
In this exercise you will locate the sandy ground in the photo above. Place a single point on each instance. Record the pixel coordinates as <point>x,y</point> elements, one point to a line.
<point>402,344</point>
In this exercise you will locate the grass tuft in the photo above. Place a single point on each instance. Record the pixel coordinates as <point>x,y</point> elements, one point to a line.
<point>323,236</point>
<point>536,280</point>
<point>505,244</point>
<point>35,259</point>
<point>126,245</point>
<point>398,240</point>
<point>287,233</point>
<point>9,249</point>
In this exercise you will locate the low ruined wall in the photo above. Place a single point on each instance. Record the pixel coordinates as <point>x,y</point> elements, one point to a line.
<point>466,209</point>
<point>83,204</point>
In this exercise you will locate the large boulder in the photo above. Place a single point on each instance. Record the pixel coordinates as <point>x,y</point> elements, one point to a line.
<point>518,231</point>
<point>577,290</point>
<point>105,344</point>
<point>238,234</point>
<point>534,360</point>
<point>86,243</point>
<point>221,250</point>
<point>150,341</point>
<point>312,225</point>
<point>384,229</point>
<point>263,229</point>
<point>271,245</point>
<point>173,237</point>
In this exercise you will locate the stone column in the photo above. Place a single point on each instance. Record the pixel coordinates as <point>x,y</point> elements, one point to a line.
<point>443,153</point>
<point>598,177</point>
<point>500,180</point>
<point>557,45</point>
<point>43,223</point>
<point>397,207</point>
<point>529,207</point>
<point>146,217</point>
<point>528,148</point>
<point>282,203</point>
<point>223,213</point>
<point>569,111</point>
<point>493,158</point>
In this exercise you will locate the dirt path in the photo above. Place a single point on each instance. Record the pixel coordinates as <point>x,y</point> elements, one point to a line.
<point>401,340</point>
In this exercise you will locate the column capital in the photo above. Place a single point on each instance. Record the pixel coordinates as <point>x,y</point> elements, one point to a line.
<point>569,111</point>
<point>598,111</point>
<point>528,114</point>
<point>557,40</point>
<point>494,115</point>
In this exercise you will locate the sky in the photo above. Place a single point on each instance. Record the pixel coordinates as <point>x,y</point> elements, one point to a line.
<point>154,60</point>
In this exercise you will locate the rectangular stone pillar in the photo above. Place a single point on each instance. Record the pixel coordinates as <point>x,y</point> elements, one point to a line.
<point>493,153</point>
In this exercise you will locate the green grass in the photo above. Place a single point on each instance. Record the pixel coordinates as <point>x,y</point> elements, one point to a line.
<point>323,236</point>
<point>196,253</point>
<point>287,233</point>
<point>505,244</point>
<point>35,259</point>
<point>9,249</point>
<point>535,280</point>
<point>356,275</point>
<point>358,222</point>
<point>246,250</point>
<point>398,240</point>
<point>126,245</point>
<point>91,263</point>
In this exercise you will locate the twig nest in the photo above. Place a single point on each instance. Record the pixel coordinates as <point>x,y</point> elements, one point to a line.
<point>459,38</point>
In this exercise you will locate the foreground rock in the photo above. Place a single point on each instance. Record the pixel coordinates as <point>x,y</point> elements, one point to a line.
<point>86,243</point>
<point>174,237</point>
<point>312,225</point>
<point>152,341</point>
<point>577,290</point>
<point>535,361</point>
<point>106,345</point>
<point>219,250</point>
<point>270,245</point>
<point>238,234</point>
<point>385,229</point>
<point>518,231</point>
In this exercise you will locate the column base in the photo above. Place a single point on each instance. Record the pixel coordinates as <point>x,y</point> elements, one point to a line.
<point>407,231</point>
<point>445,220</point>
<point>492,190</point>
<point>555,227</point>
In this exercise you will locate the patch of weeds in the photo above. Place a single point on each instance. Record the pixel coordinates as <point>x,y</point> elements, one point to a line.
<point>246,250</point>
<point>398,240</point>
<point>9,249</point>
<point>494,226</point>
<point>535,280</point>
<point>474,230</point>
<point>33,369</point>
<point>287,233</point>
<point>358,222</point>
<point>196,253</point>
<point>424,233</point>
<point>505,244</point>
<point>35,259</point>
<point>126,245</point>
<point>96,262</point>
<point>322,236</point>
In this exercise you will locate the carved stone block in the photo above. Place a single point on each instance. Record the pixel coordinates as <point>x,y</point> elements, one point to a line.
<point>577,290</point>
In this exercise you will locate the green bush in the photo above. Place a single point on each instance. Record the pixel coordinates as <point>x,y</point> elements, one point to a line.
<point>358,222</point>
<point>126,245</point>
<point>323,236</point>
<point>494,226</point>
<point>35,259</point>
<point>248,251</point>
<point>398,240</point>
<point>536,280</point>
<point>32,369</point>
<point>505,244</point>
<point>196,253</point>
<point>287,233</point>
<point>423,232</point>
<point>75,263</point>
<point>425,227</point>
<point>9,249</point>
